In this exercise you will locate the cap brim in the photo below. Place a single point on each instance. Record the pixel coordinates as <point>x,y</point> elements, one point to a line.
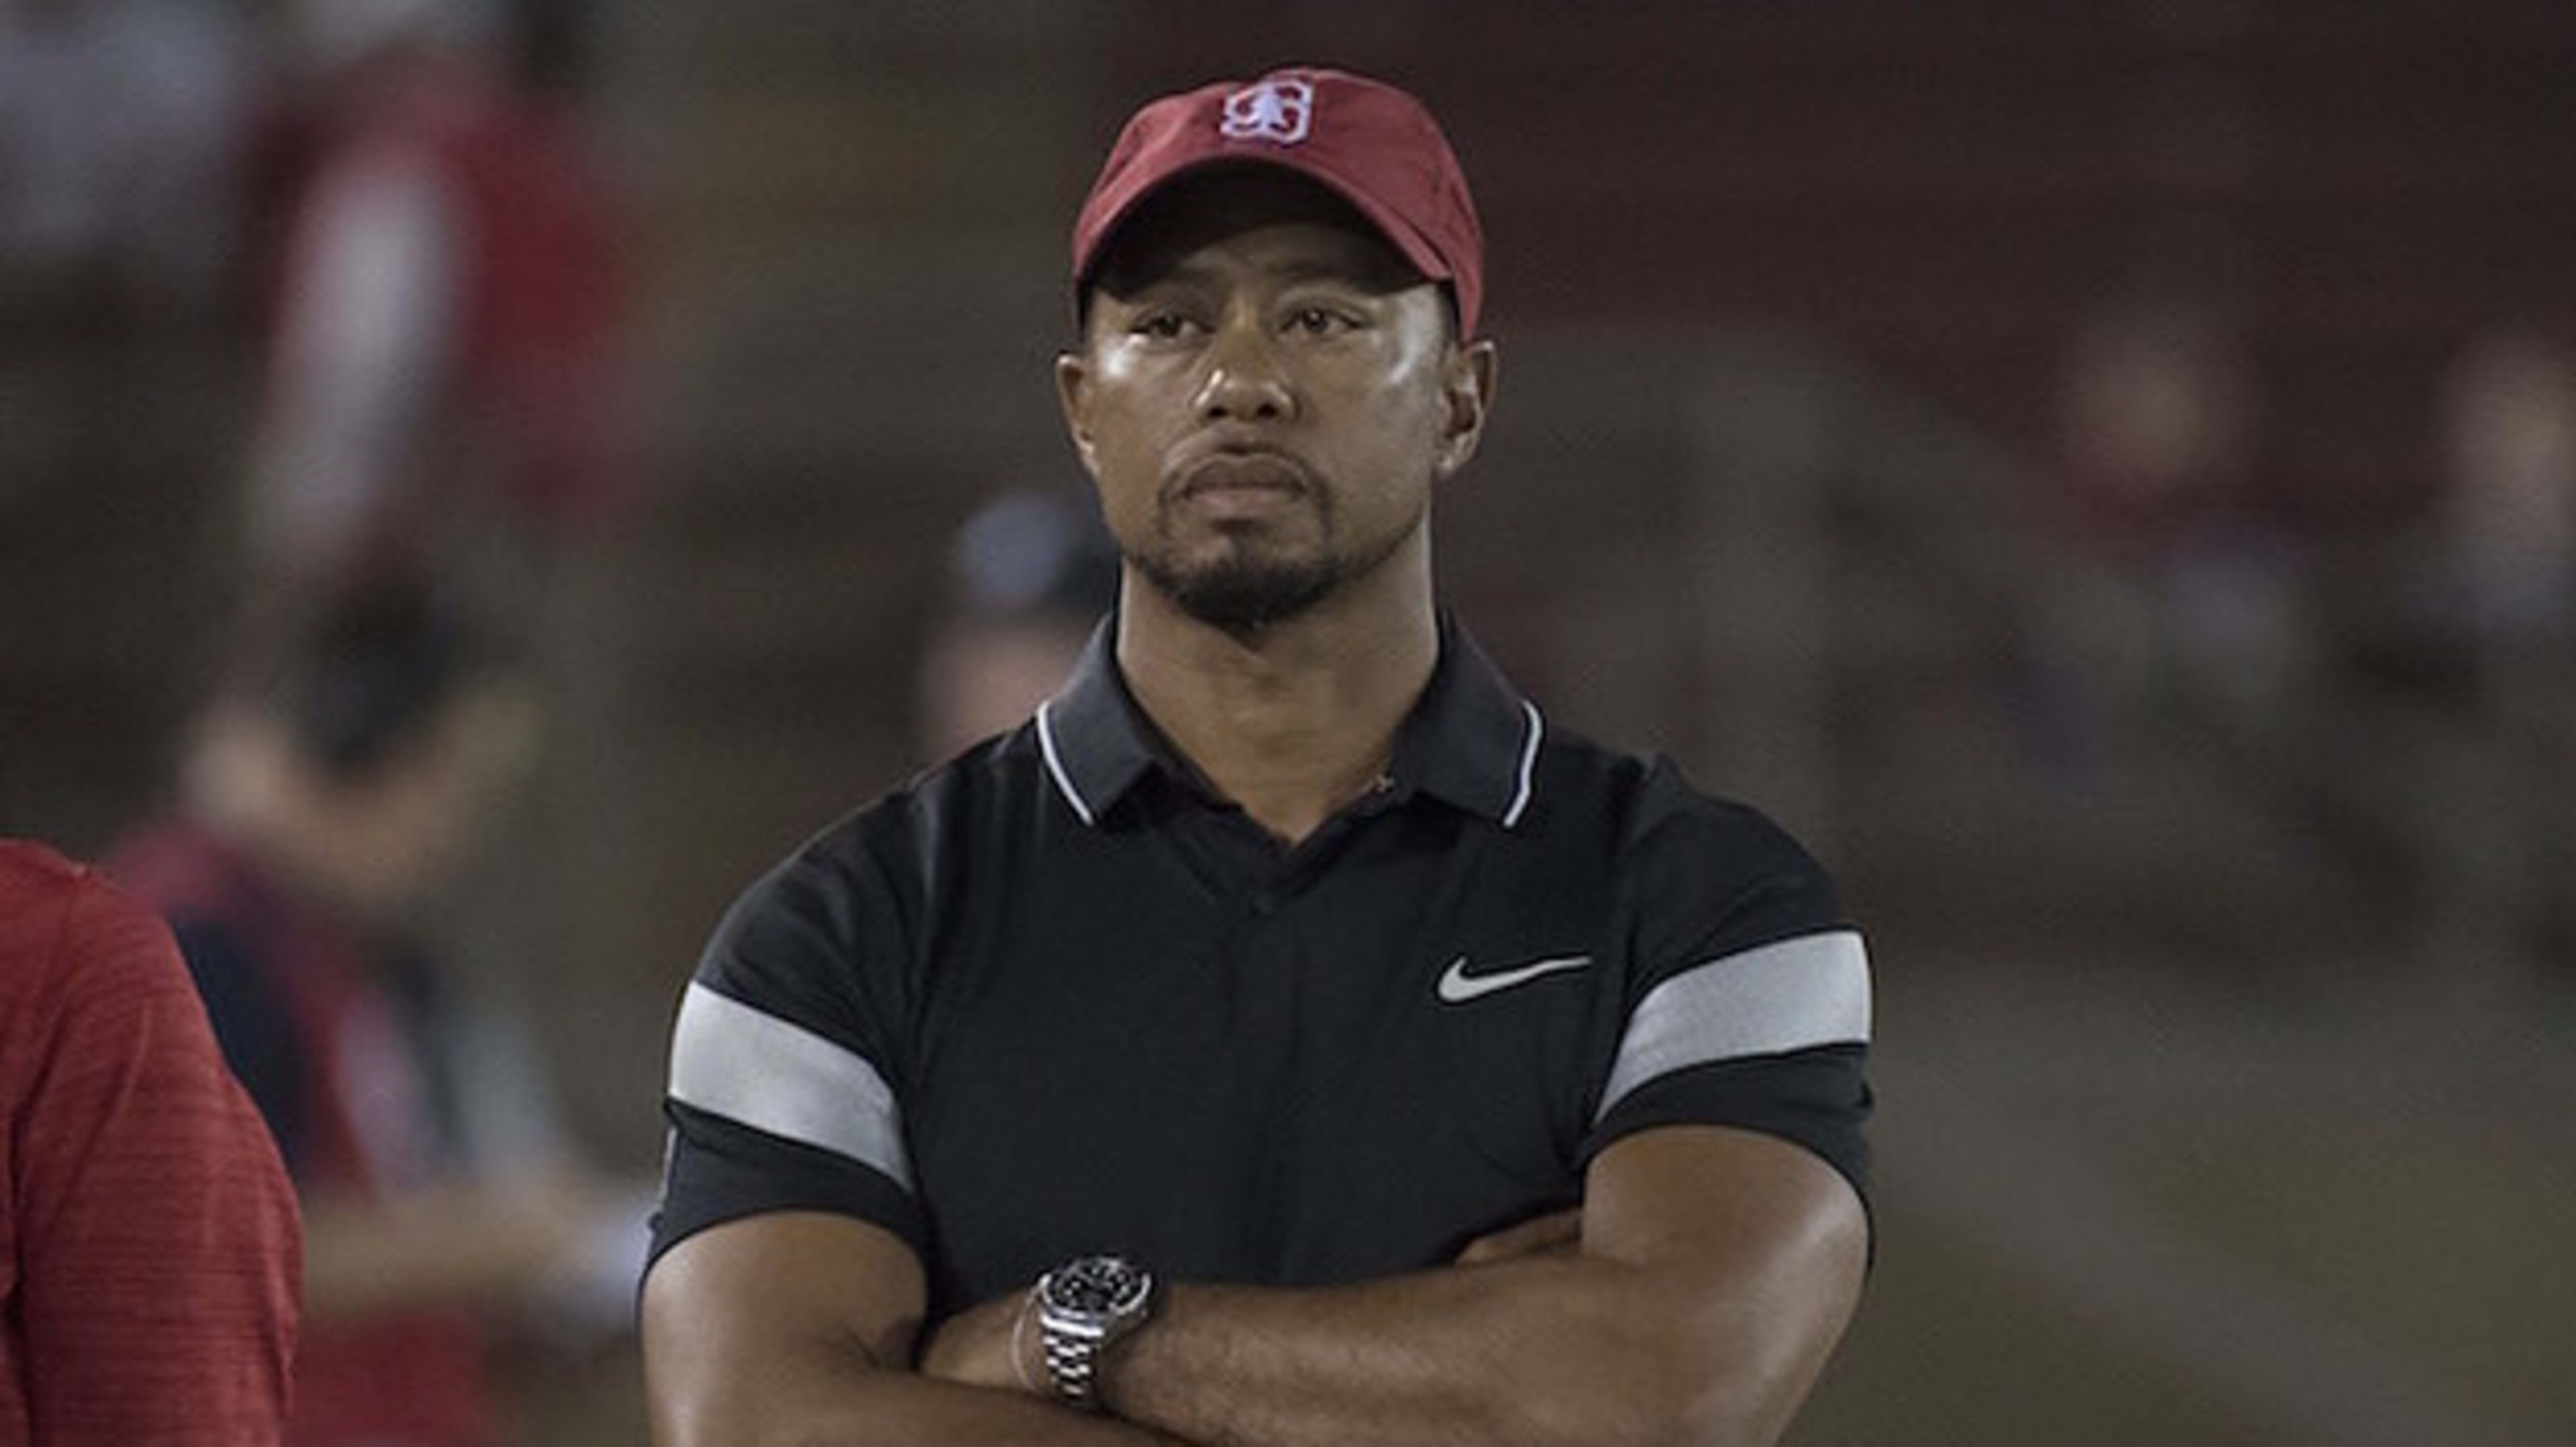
<point>1408,243</point>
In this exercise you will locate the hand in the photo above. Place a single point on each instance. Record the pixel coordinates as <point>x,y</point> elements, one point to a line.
<point>1556,1233</point>
<point>994,1345</point>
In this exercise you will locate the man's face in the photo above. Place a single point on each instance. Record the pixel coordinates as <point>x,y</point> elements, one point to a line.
<point>1265,393</point>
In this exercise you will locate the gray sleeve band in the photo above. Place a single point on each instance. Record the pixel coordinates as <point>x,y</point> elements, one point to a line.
<point>731,1060</point>
<point>1789,995</point>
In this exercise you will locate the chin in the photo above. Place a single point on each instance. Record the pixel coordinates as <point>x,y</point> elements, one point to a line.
<point>1245,595</point>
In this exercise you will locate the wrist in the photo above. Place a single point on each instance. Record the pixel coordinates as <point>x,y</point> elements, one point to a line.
<point>1114,1371</point>
<point>1086,1309</point>
<point>1028,1354</point>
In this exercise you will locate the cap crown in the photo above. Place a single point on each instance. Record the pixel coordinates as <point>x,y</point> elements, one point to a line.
<point>1366,141</point>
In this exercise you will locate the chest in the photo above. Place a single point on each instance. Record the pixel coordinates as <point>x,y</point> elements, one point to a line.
<point>1294,1076</point>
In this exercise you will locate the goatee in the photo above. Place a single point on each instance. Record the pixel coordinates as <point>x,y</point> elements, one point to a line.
<point>1242,596</point>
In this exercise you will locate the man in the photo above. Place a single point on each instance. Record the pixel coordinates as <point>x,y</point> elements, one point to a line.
<point>338,778</point>
<point>1285,1036</point>
<point>148,1242</point>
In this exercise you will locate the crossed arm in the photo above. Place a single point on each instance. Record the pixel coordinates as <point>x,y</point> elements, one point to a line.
<point>1695,1299</point>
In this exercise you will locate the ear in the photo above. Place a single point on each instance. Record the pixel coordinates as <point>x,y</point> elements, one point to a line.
<point>1073,393</point>
<point>1467,386</point>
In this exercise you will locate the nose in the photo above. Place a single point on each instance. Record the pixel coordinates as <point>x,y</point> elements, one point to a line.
<point>1245,379</point>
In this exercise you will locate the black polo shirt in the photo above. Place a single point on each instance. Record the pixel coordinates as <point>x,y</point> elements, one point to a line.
<point>1056,998</point>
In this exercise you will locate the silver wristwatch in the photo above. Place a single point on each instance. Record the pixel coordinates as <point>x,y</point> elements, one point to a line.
<point>1084,1306</point>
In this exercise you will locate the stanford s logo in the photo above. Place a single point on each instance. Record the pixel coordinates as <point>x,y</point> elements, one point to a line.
<point>1269,110</point>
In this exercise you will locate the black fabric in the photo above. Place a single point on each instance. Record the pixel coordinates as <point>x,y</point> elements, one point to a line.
<point>254,1025</point>
<point>1159,1032</point>
<point>731,1171</point>
<point>1819,1098</point>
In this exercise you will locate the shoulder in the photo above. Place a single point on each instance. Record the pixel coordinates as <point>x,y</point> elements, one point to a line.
<point>1679,825</point>
<point>1695,872</point>
<point>863,890</point>
<point>896,846</point>
<point>27,867</point>
<point>1654,814</point>
<point>98,987</point>
<point>37,885</point>
<point>68,924</point>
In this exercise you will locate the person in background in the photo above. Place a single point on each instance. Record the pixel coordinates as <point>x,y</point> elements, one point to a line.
<point>2498,803</point>
<point>1029,575</point>
<point>2508,514</point>
<point>438,386</point>
<point>336,781</point>
<point>149,1250</point>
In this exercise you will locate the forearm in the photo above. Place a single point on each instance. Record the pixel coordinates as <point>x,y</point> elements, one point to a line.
<point>801,1328</point>
<point>1541,1350</point>
<point>1694,1299</point>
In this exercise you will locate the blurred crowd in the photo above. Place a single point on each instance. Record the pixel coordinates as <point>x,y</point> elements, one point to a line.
<point>390,196</point>
<point>387,202</point>
<point>2401,670</point>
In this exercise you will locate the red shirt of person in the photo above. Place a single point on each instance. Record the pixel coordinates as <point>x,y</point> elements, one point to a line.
<point>150,1255</point>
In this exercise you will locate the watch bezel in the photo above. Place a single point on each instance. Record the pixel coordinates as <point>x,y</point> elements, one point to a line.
<point>1074,1334</point>
<point>1130,1287</point>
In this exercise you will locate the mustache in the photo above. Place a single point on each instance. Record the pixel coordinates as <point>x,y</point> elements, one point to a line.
<point>1239,466</point>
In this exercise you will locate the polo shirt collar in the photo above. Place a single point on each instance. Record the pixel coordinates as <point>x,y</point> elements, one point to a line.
<point>1471,739</point>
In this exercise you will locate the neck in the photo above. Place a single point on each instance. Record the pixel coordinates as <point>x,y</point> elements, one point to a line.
<point>1295,721</point>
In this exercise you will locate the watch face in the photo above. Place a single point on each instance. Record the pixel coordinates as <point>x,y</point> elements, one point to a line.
<point>1097,1286</point>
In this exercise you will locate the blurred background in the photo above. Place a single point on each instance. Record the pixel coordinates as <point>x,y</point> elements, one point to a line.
<point>2105,476</point>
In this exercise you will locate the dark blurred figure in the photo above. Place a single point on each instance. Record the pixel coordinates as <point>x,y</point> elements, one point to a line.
<point>2175,588</point>
<point>2509,510</point>
<point>337,780</point>
<point>1029,576</point>
<point>2502,804</point>
<point>122,130</point>
<point>148,1246</point>
<point>442,359</point>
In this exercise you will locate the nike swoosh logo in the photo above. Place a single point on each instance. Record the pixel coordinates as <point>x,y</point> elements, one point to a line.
<point>1457,987</point>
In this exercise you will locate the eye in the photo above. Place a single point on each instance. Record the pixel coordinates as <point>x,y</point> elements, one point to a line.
<point>1161,326</point>
<point>1320,321</point>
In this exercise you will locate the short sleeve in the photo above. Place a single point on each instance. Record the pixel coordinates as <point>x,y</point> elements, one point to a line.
<point>1747,1000</point>
<point>159,1246</point>
<point>786,1053</point>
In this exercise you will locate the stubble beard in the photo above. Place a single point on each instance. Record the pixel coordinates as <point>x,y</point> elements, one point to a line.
<point>1244,591</point>
<point>1252,586</point>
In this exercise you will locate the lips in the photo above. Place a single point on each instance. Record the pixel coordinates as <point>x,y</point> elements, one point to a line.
<point>1241,472</point>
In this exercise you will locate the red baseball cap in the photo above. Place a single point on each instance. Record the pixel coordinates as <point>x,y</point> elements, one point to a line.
<point>1369,143</point>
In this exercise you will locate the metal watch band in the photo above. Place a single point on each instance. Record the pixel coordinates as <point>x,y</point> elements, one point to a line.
<point>1084,1307</point>
<point>1072,1360</point>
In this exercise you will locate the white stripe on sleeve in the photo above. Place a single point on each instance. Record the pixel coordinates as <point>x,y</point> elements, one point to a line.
<point>1790,995</point>
<point>755,1069</point>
